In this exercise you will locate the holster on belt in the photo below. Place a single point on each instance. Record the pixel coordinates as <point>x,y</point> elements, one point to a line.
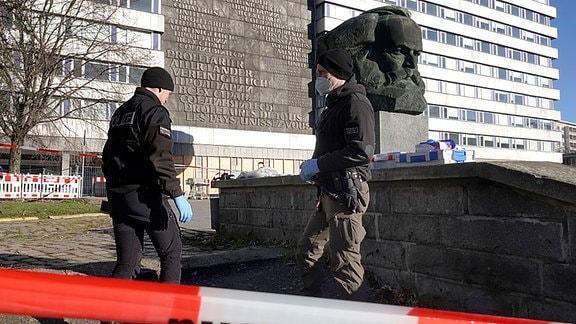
<point>342,186</point>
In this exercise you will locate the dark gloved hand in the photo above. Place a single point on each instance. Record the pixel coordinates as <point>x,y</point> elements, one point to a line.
<point>184,208</point>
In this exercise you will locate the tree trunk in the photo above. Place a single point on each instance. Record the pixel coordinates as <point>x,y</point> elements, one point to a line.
<point>15,160</point>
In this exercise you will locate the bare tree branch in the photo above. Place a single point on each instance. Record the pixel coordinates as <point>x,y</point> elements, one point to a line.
<point>57,61</point>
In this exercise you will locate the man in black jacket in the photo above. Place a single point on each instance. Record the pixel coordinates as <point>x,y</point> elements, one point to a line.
<point>140,178</point>
<point>345,140</point>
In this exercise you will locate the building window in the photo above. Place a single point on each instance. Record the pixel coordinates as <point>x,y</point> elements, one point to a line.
<point>113,34</point>
<point>449,14</point>
<point>452,113</point>
<point>514,10</point>
<point>467,19</point>
<point>431,9</point>
<point>135,74</point>
<point>503,120</point>
<point>501,96</point>
<point>96,71</point>
<point>485,47</point>
<point>517,121</point>
<point>469,91</point>
<point>499,28</point>
<point>470,140</point>
<point>468,43</point>
<point>499,5</point>
<point>503,142</point>
<point>486,70</point>
<point>66,107</point>
<point>468,67</point>
<point>122,74</point>
<point>451,88</point>
<point>68,67</point>
<point>432,85</point>
<point>432,34</point>
<point>515,32</point>
<point>487,141</point>
<point>488,118</point>
<point>430,59</point>
<point>434,111</point>
<point>547,147</point>
<point>141,5</point>
<point>518,144</point>
<point>454,137</point>
<point>482,24</point>
<point>156,41</point>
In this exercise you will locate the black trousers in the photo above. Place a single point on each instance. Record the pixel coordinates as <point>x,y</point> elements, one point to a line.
<point>164,233</point>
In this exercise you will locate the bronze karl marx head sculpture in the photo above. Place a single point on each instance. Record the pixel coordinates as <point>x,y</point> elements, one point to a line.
<point>384,43</point>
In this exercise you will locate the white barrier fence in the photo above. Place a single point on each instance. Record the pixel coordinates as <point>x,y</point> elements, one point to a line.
<point>38,186</point>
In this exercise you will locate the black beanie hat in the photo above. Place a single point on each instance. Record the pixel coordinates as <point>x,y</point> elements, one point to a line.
<point>338,62</point>
<point>157,77</point>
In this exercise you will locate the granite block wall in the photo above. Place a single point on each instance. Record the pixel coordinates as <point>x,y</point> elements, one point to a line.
<point>485,237</point>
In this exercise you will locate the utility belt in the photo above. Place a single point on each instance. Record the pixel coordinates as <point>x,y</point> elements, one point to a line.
<point>343,186</point>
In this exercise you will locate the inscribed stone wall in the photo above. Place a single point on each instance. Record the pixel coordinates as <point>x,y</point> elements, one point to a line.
<point>239,64</point>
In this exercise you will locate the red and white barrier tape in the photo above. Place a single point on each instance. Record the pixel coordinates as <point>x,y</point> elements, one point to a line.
<point>49,151</point>
<point>69,296</point>
<point>98,180</point>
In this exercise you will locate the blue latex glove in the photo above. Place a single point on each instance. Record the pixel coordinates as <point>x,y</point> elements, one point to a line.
<point>184,208</point>
<point>308,168</point>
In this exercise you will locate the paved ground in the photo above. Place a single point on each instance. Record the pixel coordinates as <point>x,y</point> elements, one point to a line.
<point>201,218</point>
<point>85,245</point>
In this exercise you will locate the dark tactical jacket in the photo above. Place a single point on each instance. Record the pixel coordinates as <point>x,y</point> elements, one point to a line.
<point>138,163</point>
<point>345,137</point>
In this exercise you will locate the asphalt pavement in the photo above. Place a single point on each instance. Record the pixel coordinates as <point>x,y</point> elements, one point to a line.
<point>201,219</point>
<point>84,244</point>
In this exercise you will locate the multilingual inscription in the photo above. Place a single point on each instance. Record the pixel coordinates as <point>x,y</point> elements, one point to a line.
<point>238,64</point>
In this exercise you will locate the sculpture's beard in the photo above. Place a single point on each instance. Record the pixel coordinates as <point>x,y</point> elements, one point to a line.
<point>396,91</point>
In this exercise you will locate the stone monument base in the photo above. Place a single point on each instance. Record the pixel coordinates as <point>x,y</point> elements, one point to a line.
<point>399,132</point>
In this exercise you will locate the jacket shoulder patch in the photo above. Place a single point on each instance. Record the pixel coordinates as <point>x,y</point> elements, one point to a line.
<point>165,132</point>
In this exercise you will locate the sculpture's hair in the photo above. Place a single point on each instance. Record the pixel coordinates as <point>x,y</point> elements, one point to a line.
<point>357,32</point>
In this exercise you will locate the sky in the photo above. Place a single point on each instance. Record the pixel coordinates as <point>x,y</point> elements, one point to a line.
<point>565,22</point>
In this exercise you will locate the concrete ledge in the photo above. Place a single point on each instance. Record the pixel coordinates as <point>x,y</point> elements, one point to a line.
<point>233,256</point>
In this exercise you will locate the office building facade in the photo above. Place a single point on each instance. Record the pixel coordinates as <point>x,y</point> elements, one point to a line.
<point>568,143</point>
<point>488,70</point>
<point>242,72</point>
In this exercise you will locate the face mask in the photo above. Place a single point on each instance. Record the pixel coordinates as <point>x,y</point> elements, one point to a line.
<point>323,86</point>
